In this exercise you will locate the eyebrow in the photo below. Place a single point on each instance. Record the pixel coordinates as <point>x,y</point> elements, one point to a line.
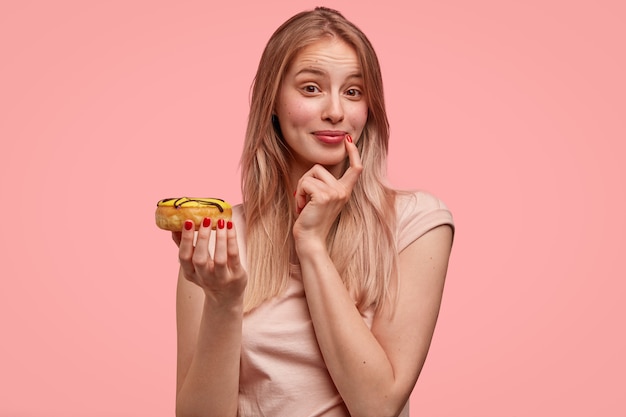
<point>309,70</point>
<point>319,72</point>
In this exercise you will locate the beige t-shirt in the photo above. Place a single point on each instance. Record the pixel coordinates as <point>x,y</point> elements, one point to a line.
<point>282,369</point>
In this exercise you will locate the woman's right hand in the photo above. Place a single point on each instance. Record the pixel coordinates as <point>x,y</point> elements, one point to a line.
<point>221,276</point>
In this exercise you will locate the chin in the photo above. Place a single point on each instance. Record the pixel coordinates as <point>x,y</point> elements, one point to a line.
<point>331,161</point>
<point>335,167</point>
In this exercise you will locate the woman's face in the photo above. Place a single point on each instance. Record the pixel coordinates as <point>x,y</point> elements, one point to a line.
<point>321,100</point>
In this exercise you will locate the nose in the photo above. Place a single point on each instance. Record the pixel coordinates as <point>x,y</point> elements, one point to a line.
<point>333,109</point>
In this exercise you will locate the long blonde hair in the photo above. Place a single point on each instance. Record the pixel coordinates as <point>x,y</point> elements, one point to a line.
<point>362,241</point>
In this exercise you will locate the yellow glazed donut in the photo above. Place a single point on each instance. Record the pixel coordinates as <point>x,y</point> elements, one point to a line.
<point>171,213</point>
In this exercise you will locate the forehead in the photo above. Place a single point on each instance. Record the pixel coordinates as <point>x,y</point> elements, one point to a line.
<point>328,52</point>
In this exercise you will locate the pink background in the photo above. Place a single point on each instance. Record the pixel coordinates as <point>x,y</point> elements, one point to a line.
<point>512,112</point>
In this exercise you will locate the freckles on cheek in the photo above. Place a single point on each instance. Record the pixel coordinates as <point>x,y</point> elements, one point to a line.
<point>296,115</point>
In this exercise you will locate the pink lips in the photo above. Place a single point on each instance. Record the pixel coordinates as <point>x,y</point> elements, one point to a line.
<point>330,137</point>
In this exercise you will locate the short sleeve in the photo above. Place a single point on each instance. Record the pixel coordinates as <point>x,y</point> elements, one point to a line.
<point>417,213</point>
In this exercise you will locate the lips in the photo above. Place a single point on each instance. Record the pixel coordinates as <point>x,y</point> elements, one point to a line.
<point>330,137</point>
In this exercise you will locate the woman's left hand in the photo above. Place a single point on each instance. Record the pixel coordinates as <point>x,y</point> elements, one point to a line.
<point>320,197</point>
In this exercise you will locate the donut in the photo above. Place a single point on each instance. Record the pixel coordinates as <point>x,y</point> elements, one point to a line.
<point>171,213</point>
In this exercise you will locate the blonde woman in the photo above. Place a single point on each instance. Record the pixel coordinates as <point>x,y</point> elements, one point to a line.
<point>320,297</point>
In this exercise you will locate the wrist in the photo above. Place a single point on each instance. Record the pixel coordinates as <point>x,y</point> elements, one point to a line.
<point>223,307</point>
<point>308,246</point>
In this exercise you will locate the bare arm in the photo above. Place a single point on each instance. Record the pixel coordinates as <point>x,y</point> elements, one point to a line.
<point>209,311</point>
<point>375,371</point>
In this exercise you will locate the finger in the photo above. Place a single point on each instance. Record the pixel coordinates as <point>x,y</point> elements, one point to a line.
<point>201,252</point>
<point>312,181</point>
<point>185,249</point>
<point>312,189</point>
<point>232,248</point>
<point>220,255</point>
<point>300,198</point>
<point>353,172</point>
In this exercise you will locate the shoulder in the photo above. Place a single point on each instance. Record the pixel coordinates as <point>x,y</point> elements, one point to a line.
<point>418,212</point>
<point>416,203</point>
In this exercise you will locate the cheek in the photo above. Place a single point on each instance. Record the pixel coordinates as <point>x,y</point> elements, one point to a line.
<point>359,117</point>
<point>295,114</point>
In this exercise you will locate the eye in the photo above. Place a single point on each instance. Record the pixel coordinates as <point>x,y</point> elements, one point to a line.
<point>310,88</point>
<point>354,92</point>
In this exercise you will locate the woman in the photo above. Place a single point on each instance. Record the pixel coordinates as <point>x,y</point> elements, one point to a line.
<point>320,297</point>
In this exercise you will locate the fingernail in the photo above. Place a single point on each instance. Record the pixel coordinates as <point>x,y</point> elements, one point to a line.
<point>229,225</point>
<point>349,138</point>
<point>206,222</point>
<point>220,223</point>
<point>188,225</point>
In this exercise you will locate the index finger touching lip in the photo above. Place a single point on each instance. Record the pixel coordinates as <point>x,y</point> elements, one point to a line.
<point>354,170</point>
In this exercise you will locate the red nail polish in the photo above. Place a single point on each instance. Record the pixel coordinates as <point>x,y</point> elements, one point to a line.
<point>229,225</point>
<point>349,138</point>
<point>220,223</point>
<point>188,225</point>
<point>206,222</point>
